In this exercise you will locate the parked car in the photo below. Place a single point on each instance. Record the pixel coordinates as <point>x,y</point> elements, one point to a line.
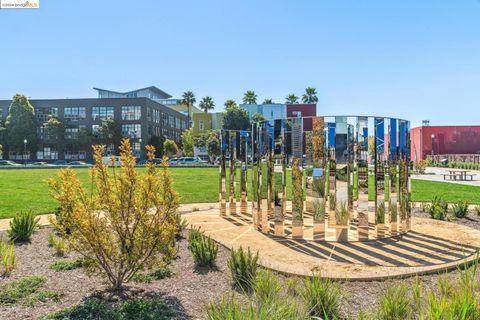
<point>78,164</point>
<point>107,160</point>
<point>157,161</point>
<point>190,161</point>
<point>40,164</point>
<point>173,161</point>
<point>8,163</point>
<point>60,163</point>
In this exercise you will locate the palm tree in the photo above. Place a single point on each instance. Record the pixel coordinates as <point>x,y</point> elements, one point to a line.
<point>207,104</point>
<point>291,99</point>
<point>230,103</point>
<point>250,97</point>
<point>267,101</point>
<point>188,99</point>
<point>310,95</point>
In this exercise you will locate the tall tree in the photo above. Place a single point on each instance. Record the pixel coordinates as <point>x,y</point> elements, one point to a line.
<point>250,97</point>
<point>157,143</point>
<point>21,124</point>
<point>54,130</point>
<point>310,95</point>
<point>188,99</point>
<point>207,104</point>
<point>258,117</point>
<point>230,103</point>
<point>291,99</point>
<point>267,101</point>
<point>187,142</point>
<point>213,145</point>
<point>109,132</point>
<point>236,118</point>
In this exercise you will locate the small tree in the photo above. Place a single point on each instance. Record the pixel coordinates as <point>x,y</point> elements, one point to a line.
<point>157,143</point>
<point>187,142</point>
<point>170,148</point>
<point>126,225</point>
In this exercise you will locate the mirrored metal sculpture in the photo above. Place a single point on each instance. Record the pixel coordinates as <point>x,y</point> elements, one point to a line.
<point>344,179</point>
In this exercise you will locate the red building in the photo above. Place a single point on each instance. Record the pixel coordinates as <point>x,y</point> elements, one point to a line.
<point>444,140</point>
<point>305,110</point>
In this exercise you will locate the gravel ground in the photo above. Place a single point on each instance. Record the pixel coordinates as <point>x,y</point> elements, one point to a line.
<point>187,292</point>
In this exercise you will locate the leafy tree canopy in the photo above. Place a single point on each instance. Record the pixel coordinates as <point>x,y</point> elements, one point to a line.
<point>257,117</point>
<point>187,142</point>
<point>310,95</point>
<point>267,101</point>
<point>207,104</point>
<point>236,118</point>
<point>250,97</point>
<point>21,124</point>
<point>291,99</point>
<point>170,147</point>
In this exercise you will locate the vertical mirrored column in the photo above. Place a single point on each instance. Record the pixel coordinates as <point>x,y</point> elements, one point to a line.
<point>331,171</point>
<point>233,158</point>
<point>297,178</point>
<point>263,176</point>
<point>243,171</point>
<point>379,179</point>
<point>361,178</point>
<point>255,156</point>
<point>342,214</point>
<point>222,173</point>
<point>393,175</point>
<point>318,181</point>
<point>280,196</point>
<point>404,203</point>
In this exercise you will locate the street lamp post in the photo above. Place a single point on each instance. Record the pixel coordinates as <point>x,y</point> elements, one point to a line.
<point>140,151</point>
<point>433,139</point>
<point>24,151</point>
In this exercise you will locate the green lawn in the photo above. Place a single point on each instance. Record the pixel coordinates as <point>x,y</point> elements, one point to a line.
<point>25,189</point>
<point>423,191</point>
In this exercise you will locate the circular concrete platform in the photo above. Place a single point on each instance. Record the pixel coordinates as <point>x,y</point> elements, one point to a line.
<point>431,246</point>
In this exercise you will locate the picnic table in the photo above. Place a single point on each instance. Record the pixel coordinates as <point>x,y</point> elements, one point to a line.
<point>458,174</point>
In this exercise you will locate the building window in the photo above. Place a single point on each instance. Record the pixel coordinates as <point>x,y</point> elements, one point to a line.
<point>201,125</point>
<point>75,113</point>
<point>102,113</point>
<point>177,123</point>
<point>72,132</point>
<point>131,112</point>
<point>13,155</point>
<point>75,155</point>
<point>45,113</point>
<point>132,130</point>
<point>47,153</point>
<point>171,121</point>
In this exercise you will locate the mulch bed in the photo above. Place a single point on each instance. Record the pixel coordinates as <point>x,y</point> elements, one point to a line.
<point>188,292</point>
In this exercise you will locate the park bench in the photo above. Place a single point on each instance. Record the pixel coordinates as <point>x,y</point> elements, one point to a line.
<point>451,175</point>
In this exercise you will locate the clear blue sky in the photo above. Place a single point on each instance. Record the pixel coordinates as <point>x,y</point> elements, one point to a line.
<point>409,58</point>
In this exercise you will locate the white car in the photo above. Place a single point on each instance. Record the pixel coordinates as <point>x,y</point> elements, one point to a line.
<point>9,163</point>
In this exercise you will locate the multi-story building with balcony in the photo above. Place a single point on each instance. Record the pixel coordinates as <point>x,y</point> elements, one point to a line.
<point>138,118</point>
